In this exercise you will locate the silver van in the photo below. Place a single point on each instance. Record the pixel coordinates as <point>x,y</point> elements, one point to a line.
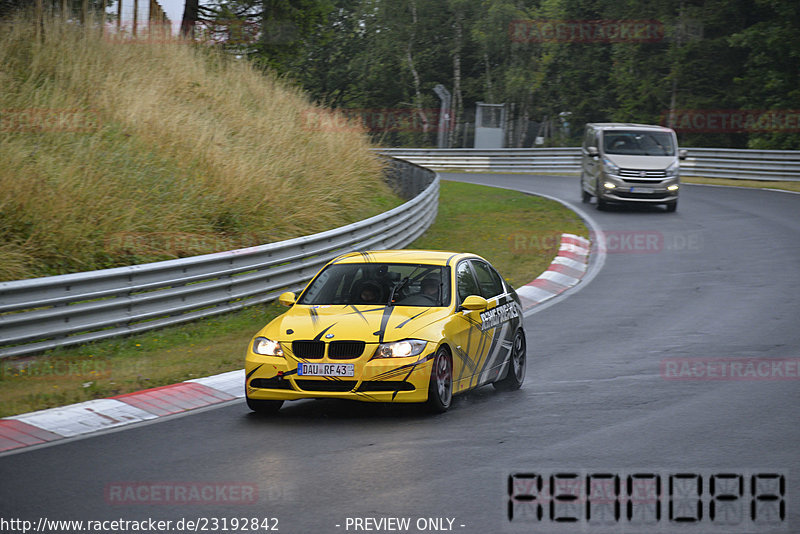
<point>630,163</point>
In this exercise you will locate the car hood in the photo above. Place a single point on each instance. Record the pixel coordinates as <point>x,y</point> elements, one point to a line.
<point>372,324</point>
<point>647,163</point>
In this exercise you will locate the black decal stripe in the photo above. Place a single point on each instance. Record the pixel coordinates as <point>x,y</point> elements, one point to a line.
<point>314,316</point>
<point>401,325</point>
<point>253,371</point>
<point>467,362</point>
<point>411,370</point>
<point>400,370</point>
<point>318,337</point>
<point>485,338</point>
<point>387,312</point>
<point>356,310</point>
<point>495,351</point>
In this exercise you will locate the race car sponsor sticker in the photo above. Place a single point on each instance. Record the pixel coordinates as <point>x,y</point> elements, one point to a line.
<point>499,315</point>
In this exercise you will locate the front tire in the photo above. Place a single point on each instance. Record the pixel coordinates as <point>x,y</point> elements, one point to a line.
<point>440,390</point>
<point>585,197</point>
<point>517,365</point>
<point>264,406</point>
<point>601,204</point>
<point>672,206</point>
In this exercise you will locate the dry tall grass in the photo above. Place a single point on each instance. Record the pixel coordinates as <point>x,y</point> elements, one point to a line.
<point>115,152</point>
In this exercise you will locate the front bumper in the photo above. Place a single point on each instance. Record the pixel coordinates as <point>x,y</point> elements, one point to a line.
<point>374,380</point>
<point>636,190</point>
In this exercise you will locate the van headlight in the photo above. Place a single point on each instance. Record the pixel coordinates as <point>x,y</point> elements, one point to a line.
<point>609,167</point>
<point>673,170</point>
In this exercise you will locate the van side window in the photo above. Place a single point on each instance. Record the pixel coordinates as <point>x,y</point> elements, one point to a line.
<point>589,139</point>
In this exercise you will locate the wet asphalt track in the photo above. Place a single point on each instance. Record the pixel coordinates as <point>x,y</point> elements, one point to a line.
<point>723,281</point>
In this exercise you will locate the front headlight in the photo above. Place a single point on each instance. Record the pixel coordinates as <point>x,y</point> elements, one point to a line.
<point>673,169</point>
<point>673,187</point>
<point>609,167</point>
<point>267,347</point>
<point>609,185</point>
<point>400,349</point>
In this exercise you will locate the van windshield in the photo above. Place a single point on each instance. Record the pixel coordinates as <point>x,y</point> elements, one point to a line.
<point>638,143</point>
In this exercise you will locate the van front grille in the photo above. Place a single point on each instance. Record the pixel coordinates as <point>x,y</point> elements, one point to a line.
<point>639,173</point>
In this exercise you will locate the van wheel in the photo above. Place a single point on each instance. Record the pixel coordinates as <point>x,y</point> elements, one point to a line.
<point>601,204</point>
<point>672,206</point>
<point>585,197</point>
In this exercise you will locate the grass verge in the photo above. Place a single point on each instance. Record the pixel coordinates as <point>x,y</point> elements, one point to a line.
<point>757,184</point>
<point>518,233</point>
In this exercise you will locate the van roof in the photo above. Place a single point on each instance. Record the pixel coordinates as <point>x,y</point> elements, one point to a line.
<point>626,126</point>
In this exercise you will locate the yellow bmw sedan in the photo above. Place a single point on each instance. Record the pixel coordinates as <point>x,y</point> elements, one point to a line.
<point>390,326</point>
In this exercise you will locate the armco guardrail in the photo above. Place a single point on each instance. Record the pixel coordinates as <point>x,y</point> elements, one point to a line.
<point>532,160</point>
<point>781,165</point>
<point>43,313</point>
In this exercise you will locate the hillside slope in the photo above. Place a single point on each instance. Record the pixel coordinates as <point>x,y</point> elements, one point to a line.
<point>117,152</point>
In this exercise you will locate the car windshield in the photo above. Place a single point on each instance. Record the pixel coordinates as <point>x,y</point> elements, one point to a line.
<point>638,143</point>
<point>396,284</point>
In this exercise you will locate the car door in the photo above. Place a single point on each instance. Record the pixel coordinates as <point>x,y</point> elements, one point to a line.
<point>498,322</point>
<point>469,343</point>
<point>589,164</point>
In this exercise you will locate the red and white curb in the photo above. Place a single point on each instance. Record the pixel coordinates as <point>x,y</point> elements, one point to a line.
<point>565,271</point>
<point>54,424</point>
<point>40,427</point>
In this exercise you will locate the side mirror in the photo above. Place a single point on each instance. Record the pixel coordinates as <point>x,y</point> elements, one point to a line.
<point>287,299</point>
<point>682,154</point>
<point>592,151</point>
<point>474,303</point>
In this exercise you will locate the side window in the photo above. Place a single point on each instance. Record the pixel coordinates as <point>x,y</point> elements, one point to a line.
<point>589,138</point>
<point>465,281</point>
<point>488,280</point>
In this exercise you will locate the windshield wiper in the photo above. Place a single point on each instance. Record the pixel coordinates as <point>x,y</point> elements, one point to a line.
<point>399,285</point>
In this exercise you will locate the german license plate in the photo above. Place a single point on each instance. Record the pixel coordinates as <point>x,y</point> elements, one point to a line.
<point>641,190</point>
<point>325,369</point>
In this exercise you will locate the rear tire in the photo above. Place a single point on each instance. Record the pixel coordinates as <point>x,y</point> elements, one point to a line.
<point>440,390</point>
<point>517,365</point>
<point>264,406</point>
